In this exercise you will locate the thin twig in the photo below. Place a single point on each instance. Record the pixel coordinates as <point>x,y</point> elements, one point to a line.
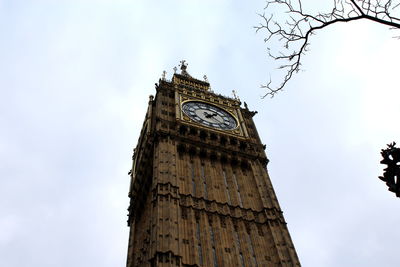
<point>294,34</point>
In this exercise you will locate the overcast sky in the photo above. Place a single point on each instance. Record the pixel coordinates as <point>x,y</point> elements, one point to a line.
<point>75,77</point>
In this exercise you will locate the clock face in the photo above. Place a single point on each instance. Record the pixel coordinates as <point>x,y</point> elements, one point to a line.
<point>209,115</point>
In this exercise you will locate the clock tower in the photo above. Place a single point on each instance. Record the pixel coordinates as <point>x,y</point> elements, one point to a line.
<point>200,194</point>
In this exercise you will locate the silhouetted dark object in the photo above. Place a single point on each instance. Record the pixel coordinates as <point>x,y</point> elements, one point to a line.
<point>391,174</point>
<point>286,22</point>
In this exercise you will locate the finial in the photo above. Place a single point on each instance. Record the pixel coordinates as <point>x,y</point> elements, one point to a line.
<point>175,69</point>
<point>234,95</point>
<point>164,73</point>
<point>184,65</point>
<point>205,78</point>
<point>391,158</point>
<point>245,105</point>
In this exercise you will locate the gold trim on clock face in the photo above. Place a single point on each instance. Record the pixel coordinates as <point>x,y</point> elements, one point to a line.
<point>209,115</point>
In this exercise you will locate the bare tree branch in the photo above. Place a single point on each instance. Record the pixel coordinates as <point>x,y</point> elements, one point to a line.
<point>295,32</point>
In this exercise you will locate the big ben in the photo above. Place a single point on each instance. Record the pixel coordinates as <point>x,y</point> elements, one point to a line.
<point>200,193</point>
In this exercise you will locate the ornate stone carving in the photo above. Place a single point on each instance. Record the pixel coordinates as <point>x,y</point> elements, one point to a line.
<point>391,174</point>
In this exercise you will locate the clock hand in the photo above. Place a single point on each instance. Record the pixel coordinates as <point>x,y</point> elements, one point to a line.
<point>215,118</point>
<point>207,115</point>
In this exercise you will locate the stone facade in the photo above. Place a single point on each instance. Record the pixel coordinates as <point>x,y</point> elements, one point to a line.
<point>201,196</point>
